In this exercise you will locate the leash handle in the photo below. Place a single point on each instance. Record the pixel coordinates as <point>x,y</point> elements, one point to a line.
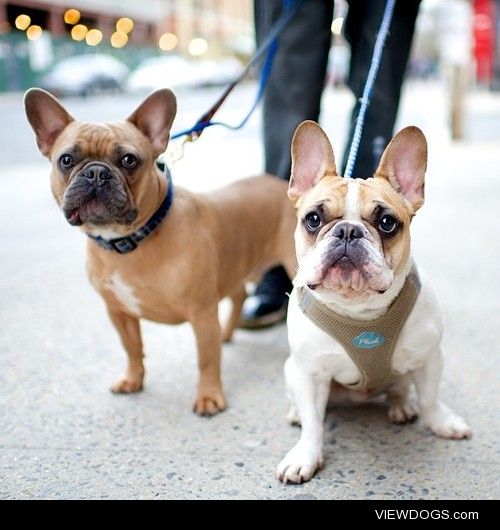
<point>368,89</point>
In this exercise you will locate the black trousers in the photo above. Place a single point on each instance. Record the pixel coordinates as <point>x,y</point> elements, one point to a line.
<point>296,83</point>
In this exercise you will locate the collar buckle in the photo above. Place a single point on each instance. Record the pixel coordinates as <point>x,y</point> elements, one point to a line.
<point>122,245</point>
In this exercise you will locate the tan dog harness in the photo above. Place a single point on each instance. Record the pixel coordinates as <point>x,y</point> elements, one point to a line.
<point>370,344</point>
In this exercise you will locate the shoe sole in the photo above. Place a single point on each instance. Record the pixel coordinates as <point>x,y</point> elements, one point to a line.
<point>264,321</point>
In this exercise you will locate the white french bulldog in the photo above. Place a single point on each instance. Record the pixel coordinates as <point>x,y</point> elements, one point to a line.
<point>353,248</point>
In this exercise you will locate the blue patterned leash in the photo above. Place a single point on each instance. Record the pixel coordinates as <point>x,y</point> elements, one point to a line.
<point>370,82</point>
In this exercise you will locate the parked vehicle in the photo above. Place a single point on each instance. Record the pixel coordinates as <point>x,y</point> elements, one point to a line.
<point>83,75</point>
<point>174,71</point>
<point>159,72</point>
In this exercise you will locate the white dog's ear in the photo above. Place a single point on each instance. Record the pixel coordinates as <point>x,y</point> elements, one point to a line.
<point>404,163</point>
<point>154,117</point>
<point>312,159</point>
<point>47,117</point>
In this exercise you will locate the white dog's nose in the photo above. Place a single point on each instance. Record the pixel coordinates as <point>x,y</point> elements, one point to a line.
<point>344,230</point>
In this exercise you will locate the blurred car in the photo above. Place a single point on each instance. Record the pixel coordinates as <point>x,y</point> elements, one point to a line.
<point>216,73</point>
<point>159,72</point>
<point>174,71</point>
<point>83,75</point>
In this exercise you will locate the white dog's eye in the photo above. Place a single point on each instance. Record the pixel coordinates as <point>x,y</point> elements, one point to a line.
<point>387,224</point>
<point>312,221</point>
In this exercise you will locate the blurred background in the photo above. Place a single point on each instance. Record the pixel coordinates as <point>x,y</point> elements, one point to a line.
<point>124,45</point>
<point>86,47</point>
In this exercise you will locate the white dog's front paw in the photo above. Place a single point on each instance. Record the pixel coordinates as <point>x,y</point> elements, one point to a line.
<point>444,423</point>
<point>299,465</point>
<point>402,411</point>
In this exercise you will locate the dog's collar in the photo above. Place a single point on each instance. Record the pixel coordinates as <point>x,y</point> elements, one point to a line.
<point>126,244</point>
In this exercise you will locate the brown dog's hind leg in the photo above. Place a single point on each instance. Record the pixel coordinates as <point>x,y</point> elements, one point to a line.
<point>128,328</point>
<point>210,397</point>
<point>237,298</point>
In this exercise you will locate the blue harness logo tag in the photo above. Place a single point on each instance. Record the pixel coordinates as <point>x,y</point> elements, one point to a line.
<point>368,340</point>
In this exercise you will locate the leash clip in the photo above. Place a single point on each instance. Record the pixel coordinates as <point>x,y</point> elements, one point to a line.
<point>175,153</point>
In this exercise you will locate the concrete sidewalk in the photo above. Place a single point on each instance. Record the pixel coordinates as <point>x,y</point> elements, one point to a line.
<point>64,435</point>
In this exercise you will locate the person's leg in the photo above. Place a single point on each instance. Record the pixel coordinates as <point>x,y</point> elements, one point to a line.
<point>293,94</point>
<point>361,27</point>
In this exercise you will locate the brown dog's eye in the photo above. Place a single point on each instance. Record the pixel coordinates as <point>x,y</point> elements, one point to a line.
<point>129,161</point>
<point>388,224</point>
<point>66,161</point>
<point>312,221</point>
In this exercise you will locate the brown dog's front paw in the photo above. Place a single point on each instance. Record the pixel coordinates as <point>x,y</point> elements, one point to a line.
<point>127,385</point>
<point>208,404</point>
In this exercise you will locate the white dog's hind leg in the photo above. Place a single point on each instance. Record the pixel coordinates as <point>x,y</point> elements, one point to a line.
<point>292,416</point>
<point>310,395</point>
<point>440,419</point>
<point>402,406</point>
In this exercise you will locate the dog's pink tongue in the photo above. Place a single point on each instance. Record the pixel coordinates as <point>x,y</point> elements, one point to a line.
<point>74,218</point>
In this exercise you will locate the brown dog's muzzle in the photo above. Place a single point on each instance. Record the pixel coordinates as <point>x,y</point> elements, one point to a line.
<point>98,195</point>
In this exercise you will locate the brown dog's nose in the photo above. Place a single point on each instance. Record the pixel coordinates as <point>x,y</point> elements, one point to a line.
<point>347,231</point>
<point>97,173</point>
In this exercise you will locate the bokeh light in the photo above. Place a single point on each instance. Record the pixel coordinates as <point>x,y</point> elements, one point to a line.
<point>22,22</point>
<point>93,37</point>
<point>125,25</point>
<point>167,42</point>
<point>34,32</point>
<point>337,25</point>
<point>72,16</point>
<point>79,32</point>
<point>119,39</point>
<point>198,47</point>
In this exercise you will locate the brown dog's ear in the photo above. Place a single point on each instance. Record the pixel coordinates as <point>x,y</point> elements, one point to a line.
<point>404,163</point>
<point>312,158</point>
<point>47,117</point>
<point>154,117</point>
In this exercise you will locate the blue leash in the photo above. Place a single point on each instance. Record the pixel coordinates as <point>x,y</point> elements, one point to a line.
<point>370,81</point>
<point>270,44</point>
<point>290,8</point>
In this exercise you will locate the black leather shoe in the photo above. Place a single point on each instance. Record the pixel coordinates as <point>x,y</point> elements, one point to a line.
<point>263,310</point>
<point>268,305</point>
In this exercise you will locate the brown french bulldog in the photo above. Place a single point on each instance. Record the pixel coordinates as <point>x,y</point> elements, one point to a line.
<point>155,253</point>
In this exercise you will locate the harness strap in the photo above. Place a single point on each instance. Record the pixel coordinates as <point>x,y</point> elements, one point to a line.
<point>370,344</point>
